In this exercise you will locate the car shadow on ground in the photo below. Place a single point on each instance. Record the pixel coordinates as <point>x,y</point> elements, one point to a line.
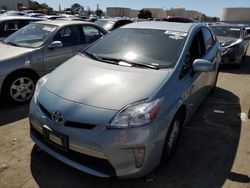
<point>244,67</point>
<point>204,156</point>
<point>10,113</point>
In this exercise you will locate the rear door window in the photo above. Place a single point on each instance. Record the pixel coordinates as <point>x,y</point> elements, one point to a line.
<point>69,36</point>
<point>91,33</point>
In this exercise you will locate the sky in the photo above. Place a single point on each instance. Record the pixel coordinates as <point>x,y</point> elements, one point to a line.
<point>208,7</point>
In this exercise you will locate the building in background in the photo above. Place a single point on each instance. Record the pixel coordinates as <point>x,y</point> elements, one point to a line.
<point>132,13</point>
<point>156,12</point>
<point>182,12</point>
<point>236,15</point>
<point>118,12</point>
<point>14,4</point>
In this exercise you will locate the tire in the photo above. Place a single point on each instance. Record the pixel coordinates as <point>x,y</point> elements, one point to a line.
<point>19,88</point>
<point>215,83</point>
<point>172,138</point>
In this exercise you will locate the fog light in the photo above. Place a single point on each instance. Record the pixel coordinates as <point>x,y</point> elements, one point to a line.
<point>139,156</point>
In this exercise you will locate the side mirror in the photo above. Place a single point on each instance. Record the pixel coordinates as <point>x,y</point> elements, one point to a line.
<point>201,65</point>
<point>55,44</point>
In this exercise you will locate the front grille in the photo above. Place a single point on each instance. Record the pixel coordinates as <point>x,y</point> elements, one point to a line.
<point>67,123</point>
<point>100,165</point>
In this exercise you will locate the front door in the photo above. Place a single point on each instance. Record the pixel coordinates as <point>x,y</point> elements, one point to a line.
<point>72,40</point>
<point>193,82</point>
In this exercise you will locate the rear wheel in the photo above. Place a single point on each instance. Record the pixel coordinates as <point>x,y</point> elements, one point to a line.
<point>19,88</point>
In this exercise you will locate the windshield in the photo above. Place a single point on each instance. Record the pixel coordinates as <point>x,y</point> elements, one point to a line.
<point>145,46</point>
<point>31,36</point>
<point>233,32</point>
<point>106,24</point>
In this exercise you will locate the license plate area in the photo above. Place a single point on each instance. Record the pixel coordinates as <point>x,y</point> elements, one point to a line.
<point>57,139</point>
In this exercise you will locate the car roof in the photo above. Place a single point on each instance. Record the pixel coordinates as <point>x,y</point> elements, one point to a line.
<point>18,18</point>
<point>113,19</point>
<point>161,25</point>
<point>60,23</point>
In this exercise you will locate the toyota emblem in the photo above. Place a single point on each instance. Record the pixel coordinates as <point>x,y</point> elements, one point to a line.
<point>57,117</point>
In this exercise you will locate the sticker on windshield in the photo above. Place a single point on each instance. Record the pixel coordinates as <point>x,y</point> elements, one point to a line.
<point>181,34</point>
<point>235,29</point>
<point>176,35</point>
<point>48,28</point>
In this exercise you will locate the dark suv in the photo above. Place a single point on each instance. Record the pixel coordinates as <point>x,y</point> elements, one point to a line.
<point>111,24</point>
<point>10,24</point>
<point>179,19</point>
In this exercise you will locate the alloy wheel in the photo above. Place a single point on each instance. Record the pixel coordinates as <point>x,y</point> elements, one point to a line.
<point>22,89</point>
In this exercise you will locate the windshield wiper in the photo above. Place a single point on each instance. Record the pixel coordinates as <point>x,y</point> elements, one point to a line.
<point>117,60</point>
<point>10,43</point>
<point>95,57</point>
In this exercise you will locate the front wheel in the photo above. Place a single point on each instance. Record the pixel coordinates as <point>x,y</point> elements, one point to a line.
<point>172,138</point>
<point>19,88</point>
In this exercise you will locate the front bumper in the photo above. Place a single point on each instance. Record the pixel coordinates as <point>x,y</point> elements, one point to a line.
<point>1,82</point>
<point>113,148</point>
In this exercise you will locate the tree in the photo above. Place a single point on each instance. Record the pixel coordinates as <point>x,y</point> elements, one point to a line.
<point>203,18</point>
<point>144,14</point>
<point>99,12</point>
<point>34,5</point>
<point>76,8</point>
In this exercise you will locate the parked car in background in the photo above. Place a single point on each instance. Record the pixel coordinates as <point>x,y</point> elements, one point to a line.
<point>233,42</point>
<point>53,17</point>
<point>10,24</point>
<point>111,24</point>
<point>248,30</point>
<point>37,49</point>
<point>117,108</point>
<point>179,19</point>
<point>35,15</point>
<point>13,13</point>
<point>92,18</point>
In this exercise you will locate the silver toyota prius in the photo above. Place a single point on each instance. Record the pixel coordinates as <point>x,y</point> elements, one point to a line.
<point>118,107</point>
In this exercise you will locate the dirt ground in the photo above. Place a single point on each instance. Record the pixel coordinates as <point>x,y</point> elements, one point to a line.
<point>214,149</point>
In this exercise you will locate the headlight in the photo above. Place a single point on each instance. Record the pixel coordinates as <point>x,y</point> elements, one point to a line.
<point>136,114</point>
<point>228,50</point>
<point>39,84</point>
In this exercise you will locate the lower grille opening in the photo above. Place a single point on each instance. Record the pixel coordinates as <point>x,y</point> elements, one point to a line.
<point>100,165</point>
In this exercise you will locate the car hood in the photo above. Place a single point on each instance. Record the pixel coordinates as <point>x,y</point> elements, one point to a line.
<point>8,51</point>
<point>226,41</point>
<point>89,82</point>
